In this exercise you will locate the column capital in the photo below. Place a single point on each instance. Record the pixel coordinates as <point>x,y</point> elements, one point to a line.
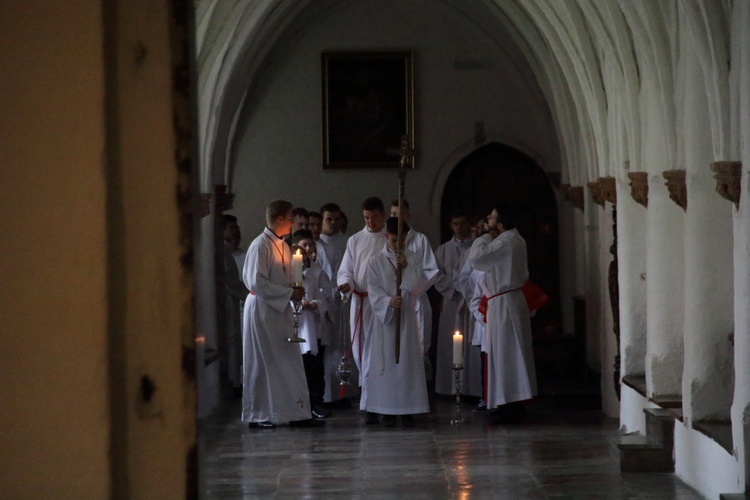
<point>728,175</point>
<point>639,187</point>
<point>596,192</point>
<point>573,194</point>
<point>608,189</point>
<point>676,186</point>
<point>224,199</point>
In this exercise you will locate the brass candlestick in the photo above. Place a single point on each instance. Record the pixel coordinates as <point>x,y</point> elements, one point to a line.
<point>459,418</point>
<point>296,310</point>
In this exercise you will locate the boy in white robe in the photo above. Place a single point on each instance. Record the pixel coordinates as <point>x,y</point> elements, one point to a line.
<point>391,389</point>
<point>274,386</point>
<point>511,376</point>
<point>314,305</point>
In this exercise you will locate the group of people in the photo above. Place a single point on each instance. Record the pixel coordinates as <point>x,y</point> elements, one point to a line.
<point>479,272</point>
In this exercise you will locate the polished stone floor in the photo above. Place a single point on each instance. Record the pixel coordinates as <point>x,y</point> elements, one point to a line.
<point>554,453</point>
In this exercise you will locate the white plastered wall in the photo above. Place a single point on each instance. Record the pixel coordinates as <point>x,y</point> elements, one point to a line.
<point>285,109</point>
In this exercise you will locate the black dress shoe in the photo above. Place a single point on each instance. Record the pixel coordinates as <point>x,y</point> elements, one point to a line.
<point>480,408</point>
<point>407,420</point>
<point>262,425</point>
<point>308,422</point>
<point>320,413</point>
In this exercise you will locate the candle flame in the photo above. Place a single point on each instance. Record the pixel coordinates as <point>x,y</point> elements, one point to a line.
<point>458,332</point>
<point>297,252</point>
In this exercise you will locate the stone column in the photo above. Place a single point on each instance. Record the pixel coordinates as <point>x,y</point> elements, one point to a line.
<point>665,281</point>
<point>593,276</point>
<point>741,405</point>
<point>631,214</point>
<point>708,376</point>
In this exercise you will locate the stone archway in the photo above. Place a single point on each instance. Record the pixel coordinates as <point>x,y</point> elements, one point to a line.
<point>497,172</point>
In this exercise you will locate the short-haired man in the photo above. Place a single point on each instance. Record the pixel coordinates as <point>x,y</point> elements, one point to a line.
<point>501,255</point>
<point>315,225</point>
<point>275,388</point>
<point>352,276</point>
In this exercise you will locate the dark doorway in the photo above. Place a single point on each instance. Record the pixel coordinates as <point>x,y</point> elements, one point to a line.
<point>500,173</point>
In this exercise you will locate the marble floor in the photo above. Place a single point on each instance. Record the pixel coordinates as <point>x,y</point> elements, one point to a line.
<point>554,453</point>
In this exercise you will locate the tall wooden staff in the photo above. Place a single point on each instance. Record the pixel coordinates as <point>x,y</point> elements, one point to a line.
<point>405,153</point>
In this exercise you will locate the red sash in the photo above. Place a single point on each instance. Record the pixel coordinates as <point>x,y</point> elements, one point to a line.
<point>535,298</point>
<point>482,309</point>
<point>358,322</point>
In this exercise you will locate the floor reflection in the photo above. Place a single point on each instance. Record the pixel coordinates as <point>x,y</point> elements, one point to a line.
<point>553,454</point>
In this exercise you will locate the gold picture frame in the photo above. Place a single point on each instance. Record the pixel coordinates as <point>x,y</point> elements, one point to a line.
<point>368,105</point>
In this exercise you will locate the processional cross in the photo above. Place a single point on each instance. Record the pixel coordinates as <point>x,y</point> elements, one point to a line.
<point>405,155</point>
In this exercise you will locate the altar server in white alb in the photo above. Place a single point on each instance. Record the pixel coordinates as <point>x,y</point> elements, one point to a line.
<point>274,384</point>
<point>391,389</point>
<point>501,255</point>
<point>317,294</point>
<point>454,314</point>
<point>418,243</point>
<point>352,275</point>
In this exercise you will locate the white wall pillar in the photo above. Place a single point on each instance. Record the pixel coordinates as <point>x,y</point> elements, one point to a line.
<point>708,376</point>
<point>631,254</point>
<point>209,389</point>
<point>594,332</point>
<point>741,405</point>
<point>665,291</point>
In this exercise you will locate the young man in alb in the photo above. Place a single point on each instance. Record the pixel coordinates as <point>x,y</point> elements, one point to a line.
<point>391,389</point>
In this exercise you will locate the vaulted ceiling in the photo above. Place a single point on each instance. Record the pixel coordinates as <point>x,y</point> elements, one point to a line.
<point>606,67</point>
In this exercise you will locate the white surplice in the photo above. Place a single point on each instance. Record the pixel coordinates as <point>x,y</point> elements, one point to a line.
<point>389,388</point>
<point>360,248</point>
<point>274,383</point>
<point>511,374</point>
<point>335,322</point>
<point>449,256</point>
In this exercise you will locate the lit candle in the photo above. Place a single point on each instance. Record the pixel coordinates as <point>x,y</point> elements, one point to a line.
<point>297,266</point>
<point>458,348</point>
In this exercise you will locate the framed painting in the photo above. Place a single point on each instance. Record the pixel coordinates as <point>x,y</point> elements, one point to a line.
<point>368,106</point>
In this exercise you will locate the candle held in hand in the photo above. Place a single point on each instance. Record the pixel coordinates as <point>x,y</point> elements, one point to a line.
<point>297,267</point>
<point>458,348</point>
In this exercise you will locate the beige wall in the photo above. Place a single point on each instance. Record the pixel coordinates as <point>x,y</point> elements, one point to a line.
<point>88,197</point>
<point>53,408</point>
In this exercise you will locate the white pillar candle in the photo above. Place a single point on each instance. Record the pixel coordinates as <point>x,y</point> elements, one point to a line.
<point>458,348</point>
<point>297,267</point>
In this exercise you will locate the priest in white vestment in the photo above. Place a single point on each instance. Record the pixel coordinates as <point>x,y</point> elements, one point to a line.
<point>389,388</point>
<point>501,255</point>
<point>274,388</point>
<point>453,314</point>
<point>352,276</point>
